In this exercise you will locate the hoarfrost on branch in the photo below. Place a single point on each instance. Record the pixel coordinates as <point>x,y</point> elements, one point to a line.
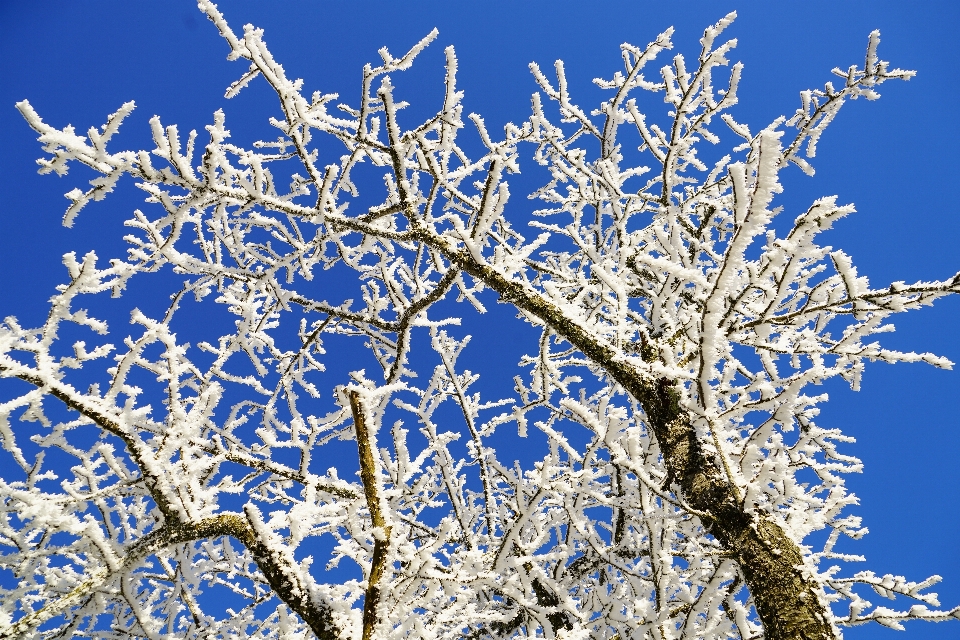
<point>679,331</point>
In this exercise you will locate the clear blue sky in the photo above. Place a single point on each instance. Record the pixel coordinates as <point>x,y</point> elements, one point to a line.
<point>897,159</point>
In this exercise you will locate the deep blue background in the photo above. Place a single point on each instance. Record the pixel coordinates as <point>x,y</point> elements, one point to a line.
<point>897,159</point>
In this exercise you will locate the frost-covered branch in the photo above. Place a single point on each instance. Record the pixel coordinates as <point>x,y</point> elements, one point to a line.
<point>683,474</point>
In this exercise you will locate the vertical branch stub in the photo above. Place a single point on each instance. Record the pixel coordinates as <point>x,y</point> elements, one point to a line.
<point>381,532</point>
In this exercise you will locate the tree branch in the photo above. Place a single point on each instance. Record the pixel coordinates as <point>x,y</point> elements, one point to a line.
<point>381,531</point>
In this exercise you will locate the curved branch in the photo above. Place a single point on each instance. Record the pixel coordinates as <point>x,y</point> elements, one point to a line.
<point>274,566</point>
<point>316,615</point>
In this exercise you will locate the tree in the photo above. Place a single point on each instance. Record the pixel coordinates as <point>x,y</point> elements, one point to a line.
<point>685,476</point>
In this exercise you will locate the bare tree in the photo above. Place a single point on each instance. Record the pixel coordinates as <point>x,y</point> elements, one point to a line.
<point>679,334</point>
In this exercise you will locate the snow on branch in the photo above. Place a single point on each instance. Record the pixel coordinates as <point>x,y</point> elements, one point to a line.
<point>683,472</point>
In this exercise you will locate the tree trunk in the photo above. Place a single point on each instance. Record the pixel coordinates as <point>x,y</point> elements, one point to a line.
<point>787,599</point>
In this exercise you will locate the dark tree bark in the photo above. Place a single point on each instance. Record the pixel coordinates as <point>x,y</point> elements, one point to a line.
<point>787,601</point>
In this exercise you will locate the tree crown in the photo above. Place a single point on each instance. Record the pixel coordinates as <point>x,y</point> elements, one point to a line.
<point>684,474</point>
